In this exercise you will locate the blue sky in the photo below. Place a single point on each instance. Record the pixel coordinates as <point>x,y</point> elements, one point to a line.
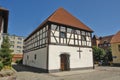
<point>103,16</point>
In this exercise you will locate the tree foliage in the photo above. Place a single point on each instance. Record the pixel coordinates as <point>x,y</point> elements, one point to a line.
<point>98,53</point>
<point>5,52</point>
<point>108,56</point>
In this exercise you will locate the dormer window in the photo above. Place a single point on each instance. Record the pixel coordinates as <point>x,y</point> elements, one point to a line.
<point>105,42</point>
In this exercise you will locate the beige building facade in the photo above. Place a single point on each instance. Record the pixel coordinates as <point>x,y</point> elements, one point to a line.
<point>16,44</point>
<point>115,45</point>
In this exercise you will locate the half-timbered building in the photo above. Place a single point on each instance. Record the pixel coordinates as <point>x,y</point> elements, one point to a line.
<point>60,43</point>
<point>4,13</point>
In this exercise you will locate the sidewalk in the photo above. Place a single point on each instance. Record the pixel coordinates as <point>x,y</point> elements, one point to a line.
<point>68,73</point>
<point>107,68</point>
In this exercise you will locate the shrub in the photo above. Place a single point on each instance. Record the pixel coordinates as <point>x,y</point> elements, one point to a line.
<point>1,66</point>
<point>98,53</point>
<point>19,61</point>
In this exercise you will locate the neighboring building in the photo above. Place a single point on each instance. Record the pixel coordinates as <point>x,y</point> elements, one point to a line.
<point>3,22</point>
<point>115,44</point>
<point>95,41</point>
<point>102,42</point>
<point>16,43</point>
<point>60,43</point>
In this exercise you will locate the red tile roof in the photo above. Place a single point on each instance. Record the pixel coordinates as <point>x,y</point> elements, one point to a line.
<point>105,39</point>
<point>18,55</point>
<point>116,38</point>
<point>63,17</point>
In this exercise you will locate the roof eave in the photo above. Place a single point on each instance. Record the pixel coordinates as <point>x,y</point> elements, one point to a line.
<point>46,21</point>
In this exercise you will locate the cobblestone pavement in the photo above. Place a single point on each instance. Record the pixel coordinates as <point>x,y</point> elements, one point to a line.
<point>99,73</point>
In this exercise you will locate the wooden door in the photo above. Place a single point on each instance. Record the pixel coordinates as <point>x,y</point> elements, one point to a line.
<point>65,62</point>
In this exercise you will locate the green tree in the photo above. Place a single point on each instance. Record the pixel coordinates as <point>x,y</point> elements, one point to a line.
<point>98,53</point>
<point>108,56</point>
<point>5,52</point>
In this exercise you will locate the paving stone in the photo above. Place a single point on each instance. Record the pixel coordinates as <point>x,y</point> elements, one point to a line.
<point>99,73</point>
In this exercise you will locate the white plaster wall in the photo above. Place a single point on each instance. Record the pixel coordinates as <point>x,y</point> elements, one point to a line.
<point>40,61</point>
<point>85,59</point>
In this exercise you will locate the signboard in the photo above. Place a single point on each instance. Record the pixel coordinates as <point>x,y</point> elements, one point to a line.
<point>114,56</point>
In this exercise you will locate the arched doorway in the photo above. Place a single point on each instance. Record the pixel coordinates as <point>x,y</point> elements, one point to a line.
<point>65,62</point>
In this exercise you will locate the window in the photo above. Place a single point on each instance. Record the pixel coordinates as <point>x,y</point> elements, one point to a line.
<point>69,30</point>
<point>12,46</point>
<point>18,51</point>
<point>83,32</point>
<point>12,37</point>
<point>19,42</point>
<point>88,34</point>
<point>83,38</point>
<point>19,38</point>
<point>109,45</point>
<point>12,42</point>
<point>63,29</point>
<point>105,42</point>
<point>118,47</point>
<point>105,45</point>
<point>78,31</point>
<point>46,27</point>
<point>43,29</point>
<point>18,46</point>
<point>27,57</point>
<point>99,45</point>
<point>63,34</point>
<point>54,27</point>
<point>35,56</point>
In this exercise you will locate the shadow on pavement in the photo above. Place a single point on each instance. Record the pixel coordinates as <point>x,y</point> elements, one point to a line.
<point>22,68</point>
